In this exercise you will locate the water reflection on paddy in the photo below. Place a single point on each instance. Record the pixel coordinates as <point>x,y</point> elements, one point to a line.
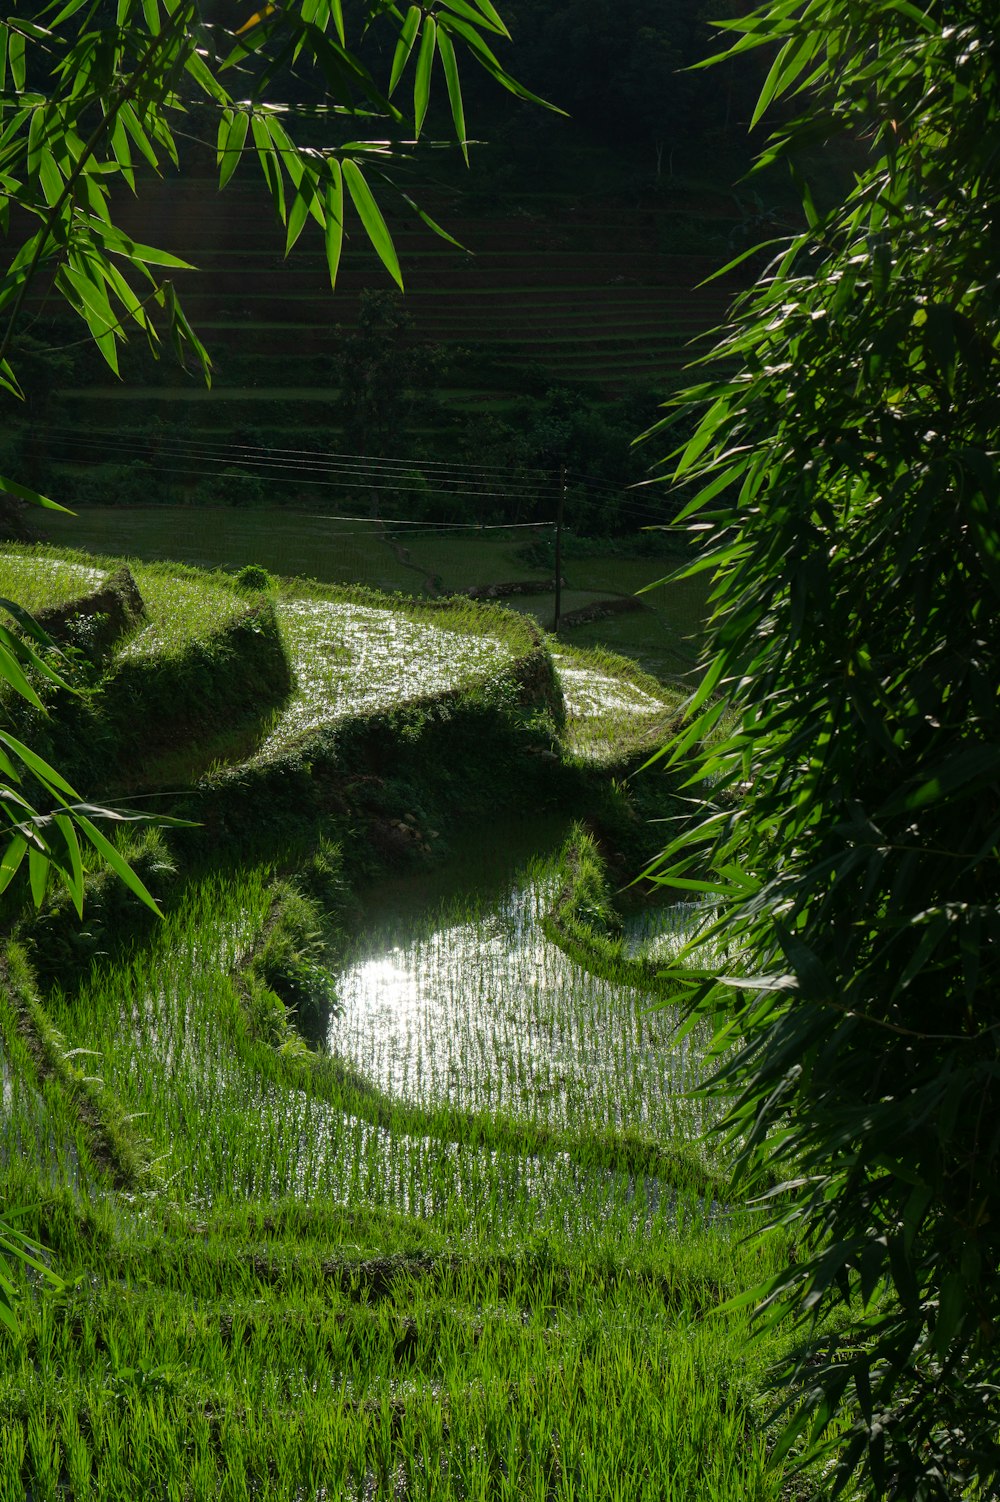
<point>469,1004</point>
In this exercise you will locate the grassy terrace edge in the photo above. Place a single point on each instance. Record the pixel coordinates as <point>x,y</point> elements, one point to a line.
<point>282,1347</point>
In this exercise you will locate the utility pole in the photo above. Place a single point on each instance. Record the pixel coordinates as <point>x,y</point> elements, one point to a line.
<point>560,513</point>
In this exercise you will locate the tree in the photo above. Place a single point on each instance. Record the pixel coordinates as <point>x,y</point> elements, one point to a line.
<point>385,379</point>
<point>846,472</point>
<point>93,95</point>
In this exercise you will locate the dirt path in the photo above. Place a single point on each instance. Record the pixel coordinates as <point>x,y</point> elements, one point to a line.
<point>402,555</point>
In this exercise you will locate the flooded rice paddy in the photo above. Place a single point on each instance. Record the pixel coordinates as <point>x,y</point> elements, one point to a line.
<point>588,692</point>
<point>473,1007</point>
<point>349,659</point>
<point>452,1017</point>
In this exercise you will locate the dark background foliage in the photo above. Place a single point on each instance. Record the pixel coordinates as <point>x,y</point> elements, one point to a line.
<point>850,489</point>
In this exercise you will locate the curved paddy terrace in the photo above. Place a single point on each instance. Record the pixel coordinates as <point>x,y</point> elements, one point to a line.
<point>350,659</point>
<point>463,1246</point>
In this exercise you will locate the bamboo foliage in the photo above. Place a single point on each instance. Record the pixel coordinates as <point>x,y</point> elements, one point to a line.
<point>844,473</point>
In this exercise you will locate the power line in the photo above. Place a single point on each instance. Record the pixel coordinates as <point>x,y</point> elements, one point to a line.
<point>358,475</point>
<point>341,469</point>
<point>112,435</point>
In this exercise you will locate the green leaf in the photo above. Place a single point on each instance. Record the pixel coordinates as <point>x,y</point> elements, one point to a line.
<point>333,230</point>
<point>302,206</point>
<point>122,152</point>
<point>36,140</point>
<point>422,76</point>
<point>788,64</point>
<point>38,874</point>
<point>24,493</point>
<point>13,857</point>
<point>432,224</point>
<point>117,862</point>
<point>93,307</point>
<point>269,164</point>
<point>206,80</point>
<point>222,136</point>
<point>468,12</point>
<point>371,218</point>
<point>15,59</point>
<point>74,876</point>
<point>11,673</point>
<point>404,46</point>
<point>450,66</point>
<point>338,21</point>
<point>233,150</point>
<point>135,129</point>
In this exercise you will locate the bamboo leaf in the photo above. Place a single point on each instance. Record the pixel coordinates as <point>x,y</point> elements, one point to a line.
<point>333,230</point>
<point>235,139</point>
<point>269,165</point>
<point>13,857</point>
<point>337,8</point>
<point>118,864</point>
<point>38,874</point>
<point>15,59</point>
<point>24,493</point>
<point>422,77</point>
<point>73,878</point>
<point>371,217</point>
<point>404,46</point>
<point>303,204</point>
<point>450,66</point>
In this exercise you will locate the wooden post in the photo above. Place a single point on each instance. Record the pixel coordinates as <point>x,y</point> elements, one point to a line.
<point>560,513</point>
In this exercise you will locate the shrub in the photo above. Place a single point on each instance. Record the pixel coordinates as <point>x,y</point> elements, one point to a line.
<point>253,577</point>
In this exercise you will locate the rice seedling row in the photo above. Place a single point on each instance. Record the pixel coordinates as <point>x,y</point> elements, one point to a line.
<point>447,1255</point>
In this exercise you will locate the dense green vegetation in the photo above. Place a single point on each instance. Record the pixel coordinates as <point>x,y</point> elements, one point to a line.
<point>845,471</point>
<point>407,1192</point>
<point>355,1180</point>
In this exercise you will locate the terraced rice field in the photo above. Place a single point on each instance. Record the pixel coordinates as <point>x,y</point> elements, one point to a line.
<point>464,1249</point>
<point>349,659</point>
<point>663,636</point>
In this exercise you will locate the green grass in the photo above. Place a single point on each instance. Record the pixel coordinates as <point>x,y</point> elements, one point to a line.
<point>614,710</point>
<point>286,542</point>
<point>182,605</point>
<point>37,581</point>
<point>291,1358</point>
<point>335,1291</point>
<point>469,1247</point>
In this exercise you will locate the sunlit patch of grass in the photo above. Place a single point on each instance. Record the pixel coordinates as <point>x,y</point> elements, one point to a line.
<point>350,659</point>
<point>38,579</point>
<point>613,709</point>
<point>182,605</point>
